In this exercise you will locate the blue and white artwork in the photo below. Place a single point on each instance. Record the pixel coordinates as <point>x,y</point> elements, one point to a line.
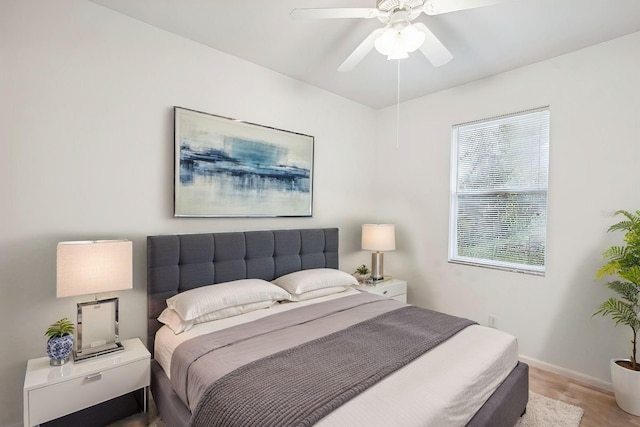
<point>229,168</point>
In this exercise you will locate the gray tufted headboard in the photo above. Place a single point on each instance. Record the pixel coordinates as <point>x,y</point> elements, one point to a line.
<point>177,263</point>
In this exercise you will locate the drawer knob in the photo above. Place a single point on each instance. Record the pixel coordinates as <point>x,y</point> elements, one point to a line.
<point>385,292</point>
<point>97,375</point>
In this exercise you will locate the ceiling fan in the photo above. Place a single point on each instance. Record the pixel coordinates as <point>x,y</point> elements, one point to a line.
<point>399,36</point>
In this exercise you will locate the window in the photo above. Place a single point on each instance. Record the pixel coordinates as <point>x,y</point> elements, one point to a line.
<point>499,182</point>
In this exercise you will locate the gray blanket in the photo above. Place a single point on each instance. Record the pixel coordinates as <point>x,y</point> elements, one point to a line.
<point>301,384</point>
<point>201,361</point>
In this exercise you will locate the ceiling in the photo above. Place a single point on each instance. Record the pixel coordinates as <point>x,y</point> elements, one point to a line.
<point>484,41</point>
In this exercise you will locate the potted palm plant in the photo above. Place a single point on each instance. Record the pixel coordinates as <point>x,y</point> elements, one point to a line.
<point>623,265</point>
<point>60,343</point>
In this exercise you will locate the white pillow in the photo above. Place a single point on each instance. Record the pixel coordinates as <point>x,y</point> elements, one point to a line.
<point>170,318</point>
<point>173,320</point>
<point>300,282</point>
<point>206,299</point>
<point>318,293</point>
<point>233,311</point>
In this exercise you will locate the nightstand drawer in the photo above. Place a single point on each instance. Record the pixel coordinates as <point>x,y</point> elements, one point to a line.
<point>389,290</point>
<point>56,400</point>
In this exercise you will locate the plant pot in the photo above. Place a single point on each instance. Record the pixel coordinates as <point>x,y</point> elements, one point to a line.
<point>59,349</point>
<point>361,278</point>
<point>626,387</point>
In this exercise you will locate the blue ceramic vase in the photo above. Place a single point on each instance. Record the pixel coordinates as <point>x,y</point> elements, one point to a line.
<point>59,349</point>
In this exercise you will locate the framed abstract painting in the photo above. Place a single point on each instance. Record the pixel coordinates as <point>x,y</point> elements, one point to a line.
<point>231,168</point>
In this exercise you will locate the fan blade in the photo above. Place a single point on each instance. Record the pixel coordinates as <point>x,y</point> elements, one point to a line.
<point>346,12</point>
<point>433,48</point>
<point>361,51</point>
<point>436,7</point>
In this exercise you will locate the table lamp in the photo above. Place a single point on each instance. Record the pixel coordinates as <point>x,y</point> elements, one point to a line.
<point>378,238</point>
<point>92,267</point>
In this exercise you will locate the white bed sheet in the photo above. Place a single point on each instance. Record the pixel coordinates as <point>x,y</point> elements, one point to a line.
<point>166,341</point>
<point>444,387</point>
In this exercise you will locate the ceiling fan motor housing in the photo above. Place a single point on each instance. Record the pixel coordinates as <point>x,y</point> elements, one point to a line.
<point>389,5</point>
<point>397,10</point>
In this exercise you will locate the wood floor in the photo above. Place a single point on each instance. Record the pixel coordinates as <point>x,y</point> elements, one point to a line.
<point>600,409</point>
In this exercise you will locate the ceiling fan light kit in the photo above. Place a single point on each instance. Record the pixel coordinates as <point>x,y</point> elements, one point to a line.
<point>399,40</point>
<point>399,37</point>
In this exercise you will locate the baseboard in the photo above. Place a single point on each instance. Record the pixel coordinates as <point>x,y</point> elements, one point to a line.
<point>577,376</point>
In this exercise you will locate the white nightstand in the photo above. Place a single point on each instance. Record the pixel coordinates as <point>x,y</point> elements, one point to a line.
<point>51,392</point>
<point>392,288</point>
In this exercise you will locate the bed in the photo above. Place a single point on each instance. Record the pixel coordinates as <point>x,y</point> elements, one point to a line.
<point>472,378</point>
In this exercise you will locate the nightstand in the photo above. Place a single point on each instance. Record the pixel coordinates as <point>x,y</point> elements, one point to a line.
<point>392,288</point>
<point>51,392</point>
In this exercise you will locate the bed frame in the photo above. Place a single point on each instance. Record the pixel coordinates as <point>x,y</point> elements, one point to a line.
<point>177,263</point>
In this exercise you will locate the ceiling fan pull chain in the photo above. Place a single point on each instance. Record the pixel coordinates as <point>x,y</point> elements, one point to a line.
<point>398,109</point>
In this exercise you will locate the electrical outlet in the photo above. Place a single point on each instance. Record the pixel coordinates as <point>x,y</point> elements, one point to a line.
<point>493,321</point>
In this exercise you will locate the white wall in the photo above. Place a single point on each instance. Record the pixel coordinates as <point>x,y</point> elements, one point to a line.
<point>86,131</point>
<point>594,156</point>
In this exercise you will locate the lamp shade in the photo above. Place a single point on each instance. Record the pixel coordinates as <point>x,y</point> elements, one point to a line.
<point>378,237</point>
<point>90,267</point>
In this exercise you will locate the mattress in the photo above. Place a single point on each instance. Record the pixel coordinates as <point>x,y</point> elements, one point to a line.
<point>444,387</point>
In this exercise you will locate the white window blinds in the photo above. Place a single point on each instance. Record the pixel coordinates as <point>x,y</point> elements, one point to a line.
<point>499,182</point>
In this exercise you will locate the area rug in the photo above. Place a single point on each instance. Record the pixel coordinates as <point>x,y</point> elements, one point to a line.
<point>544,411</point>
<point>541,412</point>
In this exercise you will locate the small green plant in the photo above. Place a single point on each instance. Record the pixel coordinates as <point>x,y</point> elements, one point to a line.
<point>624,262</point>
<point>60,328</point>
<point>362,270</point>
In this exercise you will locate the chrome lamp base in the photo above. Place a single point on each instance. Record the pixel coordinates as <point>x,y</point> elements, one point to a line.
<point>89,353</point>
<point>96,335</point>
<point>377,266</point>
